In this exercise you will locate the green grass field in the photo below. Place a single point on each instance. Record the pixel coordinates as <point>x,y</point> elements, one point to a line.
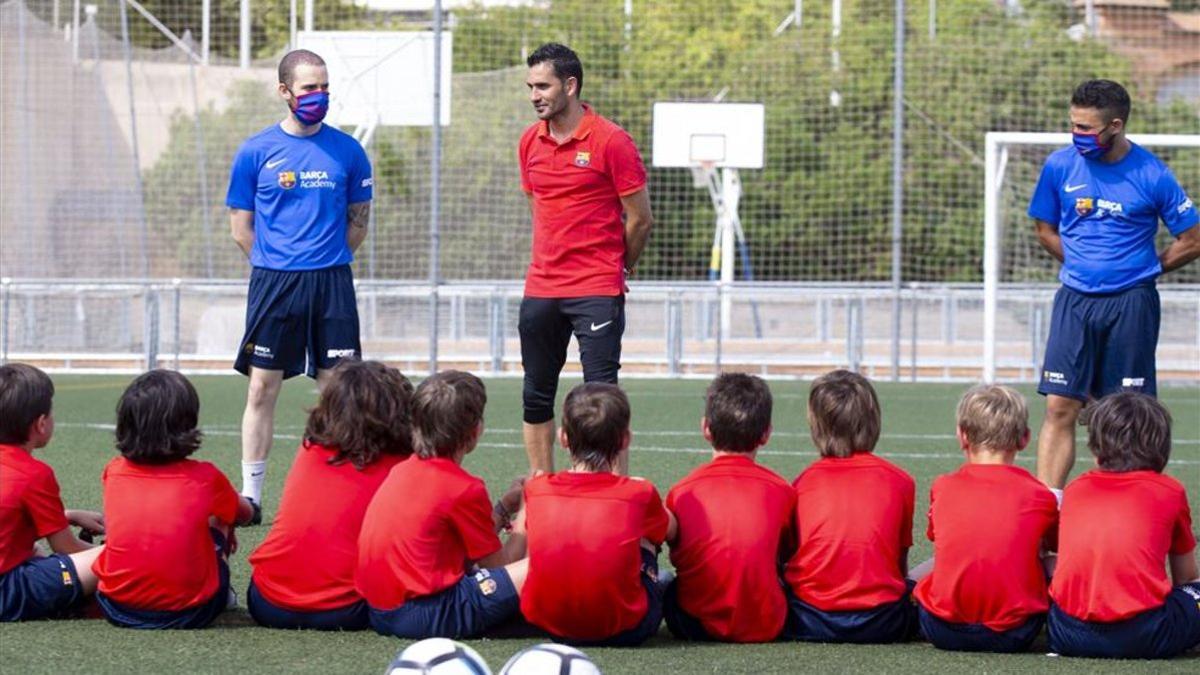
<point>918,434</point>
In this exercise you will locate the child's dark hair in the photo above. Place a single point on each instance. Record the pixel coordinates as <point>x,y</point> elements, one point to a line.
<point>595,420</point>
<point>843,414</point>
<point>446,409</point>
<point>738,409</point>
<point>363,413</point>
<point>157,418</point>
<point>26,393</point>
<point>1128,431</point>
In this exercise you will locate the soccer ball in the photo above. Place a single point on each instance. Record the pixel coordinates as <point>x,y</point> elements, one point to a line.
<point>438,656</point>
<point>550,659</point>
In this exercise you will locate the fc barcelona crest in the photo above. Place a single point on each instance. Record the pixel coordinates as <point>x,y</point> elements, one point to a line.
<point>1084,206</point>
<point>583,158</point>
<point>287,180</point>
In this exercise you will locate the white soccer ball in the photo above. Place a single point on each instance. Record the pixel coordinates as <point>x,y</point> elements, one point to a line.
<point>550,659</point>
<point>438,656</point>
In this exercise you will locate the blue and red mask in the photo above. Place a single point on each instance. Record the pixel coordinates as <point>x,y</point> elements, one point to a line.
<point>1089,145</point>
<point>311,108</point>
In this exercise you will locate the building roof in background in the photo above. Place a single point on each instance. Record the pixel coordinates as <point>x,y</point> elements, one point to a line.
<point>1187,22</point>
<point>426,5</point>
<point>1140,4</point>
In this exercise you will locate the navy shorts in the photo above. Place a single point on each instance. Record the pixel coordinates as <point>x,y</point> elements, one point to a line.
<point>648,626</point>
<point>266,613</point>
<point>40,588</point>
<point>1159,633</point>
<point>477,603</point>
<point>889,622</point>
<point>546,325</point>
<point>682,625</point>
<point>299,322</point>
<point>1101,344</point>
<point>974,637</point>
<point>193,617</point>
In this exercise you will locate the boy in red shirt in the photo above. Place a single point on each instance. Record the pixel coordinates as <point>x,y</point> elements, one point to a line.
<point>1122,524</point>
<point>169,518</point>
<point>594,534</point>
<point>854,515</point>
<point>33,586</point>
<point>988,522</point>
<point>304,569</point>
<point>735,519</point>
<point>430,561</point>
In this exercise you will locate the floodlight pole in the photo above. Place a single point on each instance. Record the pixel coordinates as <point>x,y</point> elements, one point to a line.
<point>244,35</point>
<point>731,195</point>
<point>897,185</point>
<point>435,189</point>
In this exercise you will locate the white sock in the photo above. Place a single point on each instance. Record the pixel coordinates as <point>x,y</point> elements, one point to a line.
<point>1057,497</point>
<point>253,476</point>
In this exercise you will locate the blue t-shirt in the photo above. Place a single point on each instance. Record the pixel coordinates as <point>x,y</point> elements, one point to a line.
<point>299,189</point>
<point>1107,216</point>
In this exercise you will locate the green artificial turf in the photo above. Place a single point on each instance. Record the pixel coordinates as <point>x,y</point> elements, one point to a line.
<point>918,435</point>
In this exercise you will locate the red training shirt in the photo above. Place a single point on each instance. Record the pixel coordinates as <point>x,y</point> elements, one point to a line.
<point>158,553</point>
<point>307,561</point>
<point>576,188</point>
<point>854,522</point>
<point>987,524</point>
<point>584,532</point>
<point>428,519</point>
<point>733,516</point>
<point>30,505</point>
<point>1116,531</point>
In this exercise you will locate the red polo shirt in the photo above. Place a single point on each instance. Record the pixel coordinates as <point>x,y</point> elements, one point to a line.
<point>307,561</point>
<point>30,505</point>
<point>576,188</point>
<point>585,554</point>
<point>854,519</point>
<point>987,524</point>
<point>734,515</point>
<point>1115,533</point>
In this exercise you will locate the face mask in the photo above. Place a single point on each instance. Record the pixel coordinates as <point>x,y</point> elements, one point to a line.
<point>311,107</point>
<point>1089,145</point>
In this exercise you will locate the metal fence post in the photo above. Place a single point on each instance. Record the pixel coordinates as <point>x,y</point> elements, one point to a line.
<point>5,313</point>
<point>150,330</point>
<point>912,297</point>
<point>674,333</point>
<point>176,318</point>
<point>496,329</point>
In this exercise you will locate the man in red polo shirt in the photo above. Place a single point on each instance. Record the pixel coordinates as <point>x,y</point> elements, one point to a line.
<point>591,218</point>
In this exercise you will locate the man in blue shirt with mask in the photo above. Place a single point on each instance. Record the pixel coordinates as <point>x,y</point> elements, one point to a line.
<point>1096,209</point>
<point>299,198</point>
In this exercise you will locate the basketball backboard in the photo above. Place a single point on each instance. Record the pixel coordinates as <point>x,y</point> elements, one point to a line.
<point>727,135</point>
<point>383,73</point>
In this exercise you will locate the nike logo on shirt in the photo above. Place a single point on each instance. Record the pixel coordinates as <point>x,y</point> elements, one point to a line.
<point>1073,188</point>
<point>272,165</point>
<point>596,328</point>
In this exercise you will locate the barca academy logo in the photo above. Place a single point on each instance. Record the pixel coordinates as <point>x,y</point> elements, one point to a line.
<point>287,180</point>
<point>583,158</point>
<point>1084,206</point>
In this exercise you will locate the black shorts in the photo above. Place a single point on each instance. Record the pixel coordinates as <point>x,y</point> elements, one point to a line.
<point>299,322</point>
<point>546,325</point>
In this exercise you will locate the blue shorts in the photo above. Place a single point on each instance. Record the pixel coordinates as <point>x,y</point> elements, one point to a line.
<point>266,613</point>
<point>890,622</point>
<point>477,603</point>
<point>193,617</point>
<point>648,626</point>
<point>682,625</point>
<point>974,637</point>
<point>299,322</point>
<point>1100,344</point>
<point>1159,633</point>
<point>40,588</point>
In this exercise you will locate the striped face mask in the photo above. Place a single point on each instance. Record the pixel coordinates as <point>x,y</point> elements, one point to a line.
<point>311,107</point>
<point>1089,145</point>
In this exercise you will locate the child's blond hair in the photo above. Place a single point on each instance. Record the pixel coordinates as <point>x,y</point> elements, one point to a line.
<point>994,416</point>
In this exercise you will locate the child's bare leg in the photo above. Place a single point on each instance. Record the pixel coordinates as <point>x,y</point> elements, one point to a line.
<point>517,572</point>
<point>83,568</point>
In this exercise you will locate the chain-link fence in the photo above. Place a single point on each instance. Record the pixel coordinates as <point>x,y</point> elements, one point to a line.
<point>120,120</point>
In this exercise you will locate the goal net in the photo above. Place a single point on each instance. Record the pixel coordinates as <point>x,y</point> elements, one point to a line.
<point>1019,277</point>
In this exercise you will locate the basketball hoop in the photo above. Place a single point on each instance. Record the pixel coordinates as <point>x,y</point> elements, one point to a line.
<point>702,173</point>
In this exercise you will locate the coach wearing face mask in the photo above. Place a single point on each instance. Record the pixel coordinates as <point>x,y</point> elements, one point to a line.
<point>299,198</point>
<point>1096,209</point>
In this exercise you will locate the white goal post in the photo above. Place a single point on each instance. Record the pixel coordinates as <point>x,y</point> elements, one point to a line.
<point>996,144</point>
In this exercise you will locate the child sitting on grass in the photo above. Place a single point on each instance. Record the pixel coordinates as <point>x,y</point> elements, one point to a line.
<point>988,522</point>
<point>854,514</point>
<point>735,519</point>
<point>34,586</point>
<point>1122,525</point>
<point>594,534</point>
<point>170,519</point>
<point>430,561</point>
<point>304,569</point>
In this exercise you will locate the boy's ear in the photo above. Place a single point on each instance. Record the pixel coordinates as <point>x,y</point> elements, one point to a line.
<point>962,438</point>
<point>562,438</point>
<point>1024,440</point>
<point>626,439</point>
<point>766,437</point>
<point>705,430</point>
<point>40,430</point>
